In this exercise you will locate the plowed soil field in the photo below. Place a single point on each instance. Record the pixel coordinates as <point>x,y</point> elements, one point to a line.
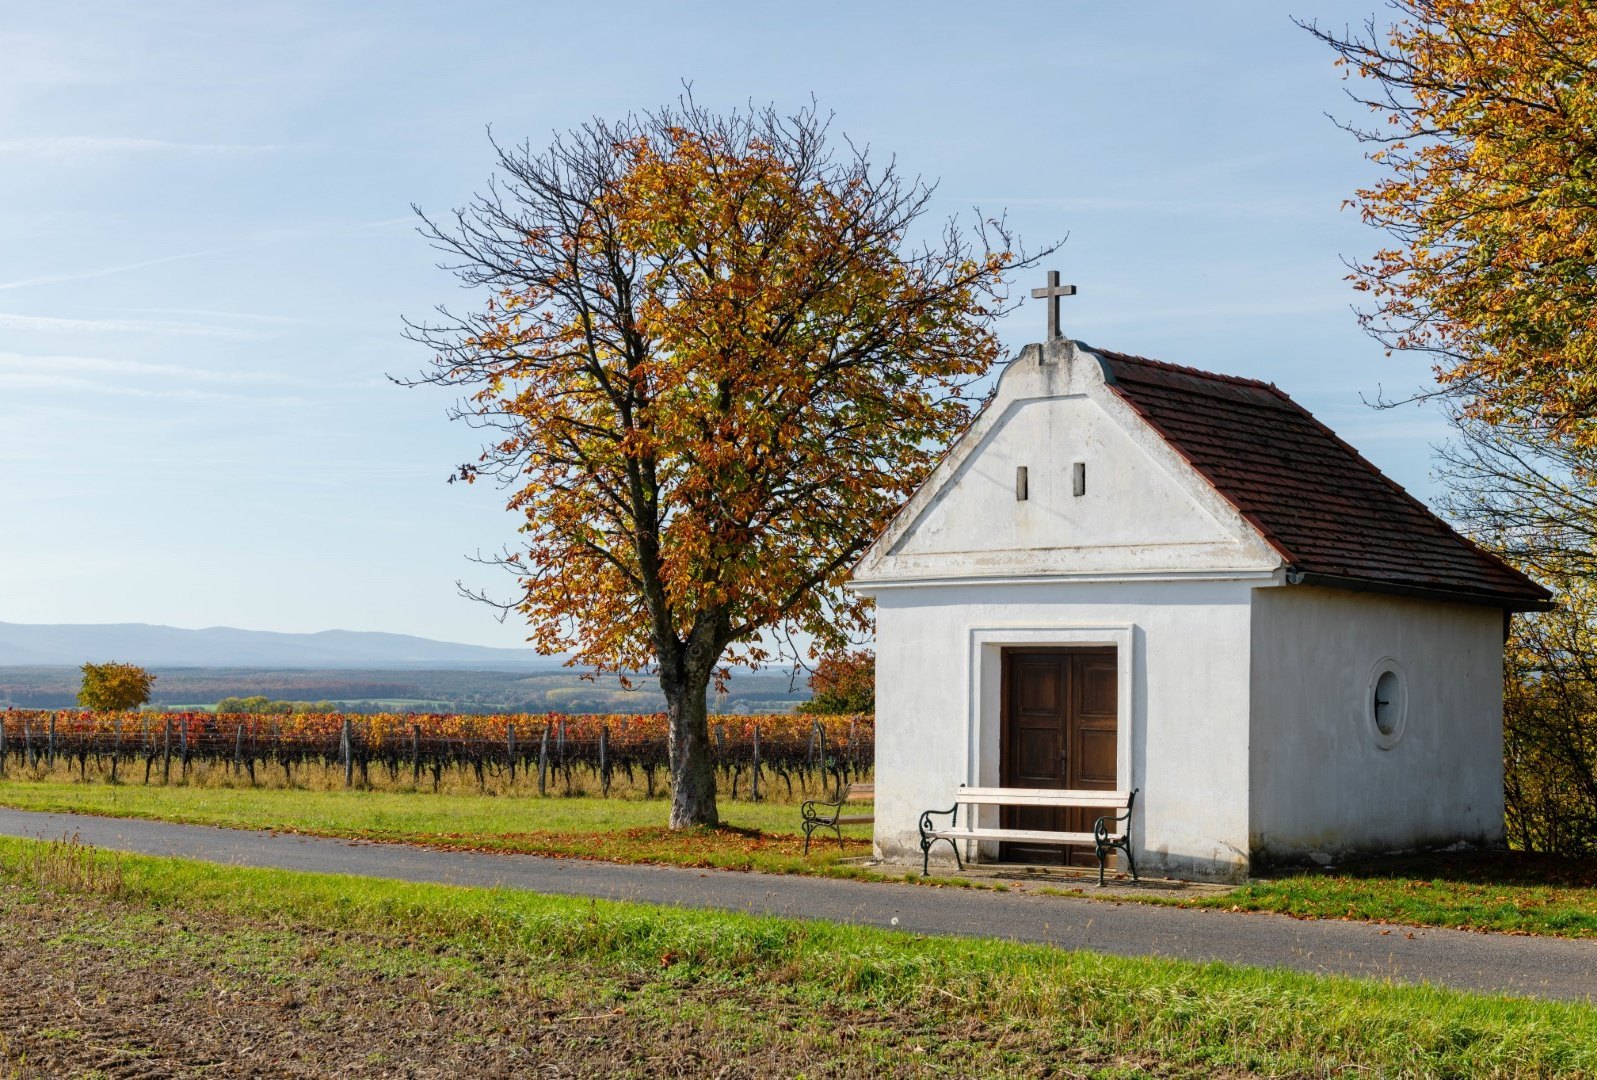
<point>101,988</point>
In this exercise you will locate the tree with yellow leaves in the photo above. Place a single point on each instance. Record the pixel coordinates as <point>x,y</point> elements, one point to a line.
<point>713,360</point>
<point>114,687</point>
<point>1487,140</point>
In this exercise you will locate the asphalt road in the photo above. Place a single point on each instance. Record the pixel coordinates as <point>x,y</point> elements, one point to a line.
<point>1526,966</point>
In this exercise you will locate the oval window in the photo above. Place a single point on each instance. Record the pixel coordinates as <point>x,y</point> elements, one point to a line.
<point>1388,702</point>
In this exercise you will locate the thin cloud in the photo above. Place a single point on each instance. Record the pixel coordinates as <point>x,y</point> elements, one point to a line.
<point>34,380</point>
<point>107,271</point>
<point>49,325</point>
<point>1217,312</point>
<point>58,147</point>
<point>18,364</point>
<point>1180,207</point>
<point>207,313</point>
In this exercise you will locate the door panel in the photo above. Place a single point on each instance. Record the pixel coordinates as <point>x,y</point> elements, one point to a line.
<point>1059,730</point>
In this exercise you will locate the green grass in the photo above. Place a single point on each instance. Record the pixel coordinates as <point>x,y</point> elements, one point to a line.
<point>1506,893</point>
<point>754,836</point>
<point>1036,1008</point>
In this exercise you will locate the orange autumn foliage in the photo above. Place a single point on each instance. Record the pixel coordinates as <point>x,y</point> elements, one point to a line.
<point>1486,111</point>
<point>715,359</point>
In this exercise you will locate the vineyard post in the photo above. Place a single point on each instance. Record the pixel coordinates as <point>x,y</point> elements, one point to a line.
<point>49,757</point>
<point>166,753</point>
<point>820,741</point>
<point>853,749</point>
<point>277,744</point>
<point>27,745</point>
<point>249,759</point>
<point>415,753</point>
<point>560,757</point>
<point>116,749</point>
<point>755,791</point>
<point>184,747</point>
<point>543,760</point>
<point>349,759</point>
<point>604,758</point>
<point>510,750</point>
<point>2,746</point>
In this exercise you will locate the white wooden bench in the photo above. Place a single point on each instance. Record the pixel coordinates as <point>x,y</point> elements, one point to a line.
<point>1111,832</point>
<point>820,814</point>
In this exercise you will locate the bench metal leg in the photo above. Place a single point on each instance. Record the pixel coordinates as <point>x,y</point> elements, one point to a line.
<point>926,843</point>
<point>927,840</point>
<point>811,826</point>
<point>1105,847</point>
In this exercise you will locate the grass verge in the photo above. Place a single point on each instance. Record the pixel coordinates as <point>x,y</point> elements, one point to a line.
<point>846,1000</point>
<point>1502,892</point>
<point>754,836</point>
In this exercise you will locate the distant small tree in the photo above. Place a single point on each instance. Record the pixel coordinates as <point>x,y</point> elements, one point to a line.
<point>114,686</point>
<point>843,682</point>
<point>257,704</point>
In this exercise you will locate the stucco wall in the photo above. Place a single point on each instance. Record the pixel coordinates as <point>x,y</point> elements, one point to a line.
<point>1183,651</point>
<point>1322,782</point>
<point>1143,509</point>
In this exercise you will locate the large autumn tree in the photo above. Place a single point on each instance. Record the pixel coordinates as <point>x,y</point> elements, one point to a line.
<point>1485,133</point>
<point>713,360</point>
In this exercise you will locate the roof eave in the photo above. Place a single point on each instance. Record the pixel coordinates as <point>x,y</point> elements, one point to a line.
<point>1505,602</point>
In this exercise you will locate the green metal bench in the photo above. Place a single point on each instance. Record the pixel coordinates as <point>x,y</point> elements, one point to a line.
<point>820,814</point>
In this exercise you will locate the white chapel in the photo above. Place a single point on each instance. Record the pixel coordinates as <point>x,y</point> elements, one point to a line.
<point>1137,576</point>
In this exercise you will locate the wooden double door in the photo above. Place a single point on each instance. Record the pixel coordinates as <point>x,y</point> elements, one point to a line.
<point>1059,729</point>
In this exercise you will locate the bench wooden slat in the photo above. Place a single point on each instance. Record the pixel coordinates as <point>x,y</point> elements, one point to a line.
<point>1042,797</point>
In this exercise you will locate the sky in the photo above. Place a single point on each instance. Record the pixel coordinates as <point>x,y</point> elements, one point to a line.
<point>207,247</point>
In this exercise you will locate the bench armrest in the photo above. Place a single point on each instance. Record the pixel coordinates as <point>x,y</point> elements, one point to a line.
<point>1100,828</point>
<point>926,825</point>
<point>811,810</point>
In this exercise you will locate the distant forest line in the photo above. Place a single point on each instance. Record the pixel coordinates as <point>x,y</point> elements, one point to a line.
<point>387,690</point>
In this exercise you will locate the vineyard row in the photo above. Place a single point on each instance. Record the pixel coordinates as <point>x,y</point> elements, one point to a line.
<point>749,752</point>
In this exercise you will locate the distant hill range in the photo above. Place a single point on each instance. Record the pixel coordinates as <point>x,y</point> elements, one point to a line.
<point>24,644</point>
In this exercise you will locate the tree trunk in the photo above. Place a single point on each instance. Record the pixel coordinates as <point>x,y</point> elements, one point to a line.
<point>692,766</point>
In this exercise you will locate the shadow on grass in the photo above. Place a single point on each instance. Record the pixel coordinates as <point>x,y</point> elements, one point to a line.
<point>1513,869</point>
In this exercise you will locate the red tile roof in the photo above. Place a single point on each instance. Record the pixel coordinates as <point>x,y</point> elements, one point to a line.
<point>1334,517</point>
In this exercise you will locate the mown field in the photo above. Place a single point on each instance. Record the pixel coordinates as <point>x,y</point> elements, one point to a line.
<point>125,965</point>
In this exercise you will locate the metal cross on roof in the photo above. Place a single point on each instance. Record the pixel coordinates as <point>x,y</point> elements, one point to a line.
<point>1052,294</point>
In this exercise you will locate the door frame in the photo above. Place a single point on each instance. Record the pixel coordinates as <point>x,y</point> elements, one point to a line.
<point>984,711</point>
